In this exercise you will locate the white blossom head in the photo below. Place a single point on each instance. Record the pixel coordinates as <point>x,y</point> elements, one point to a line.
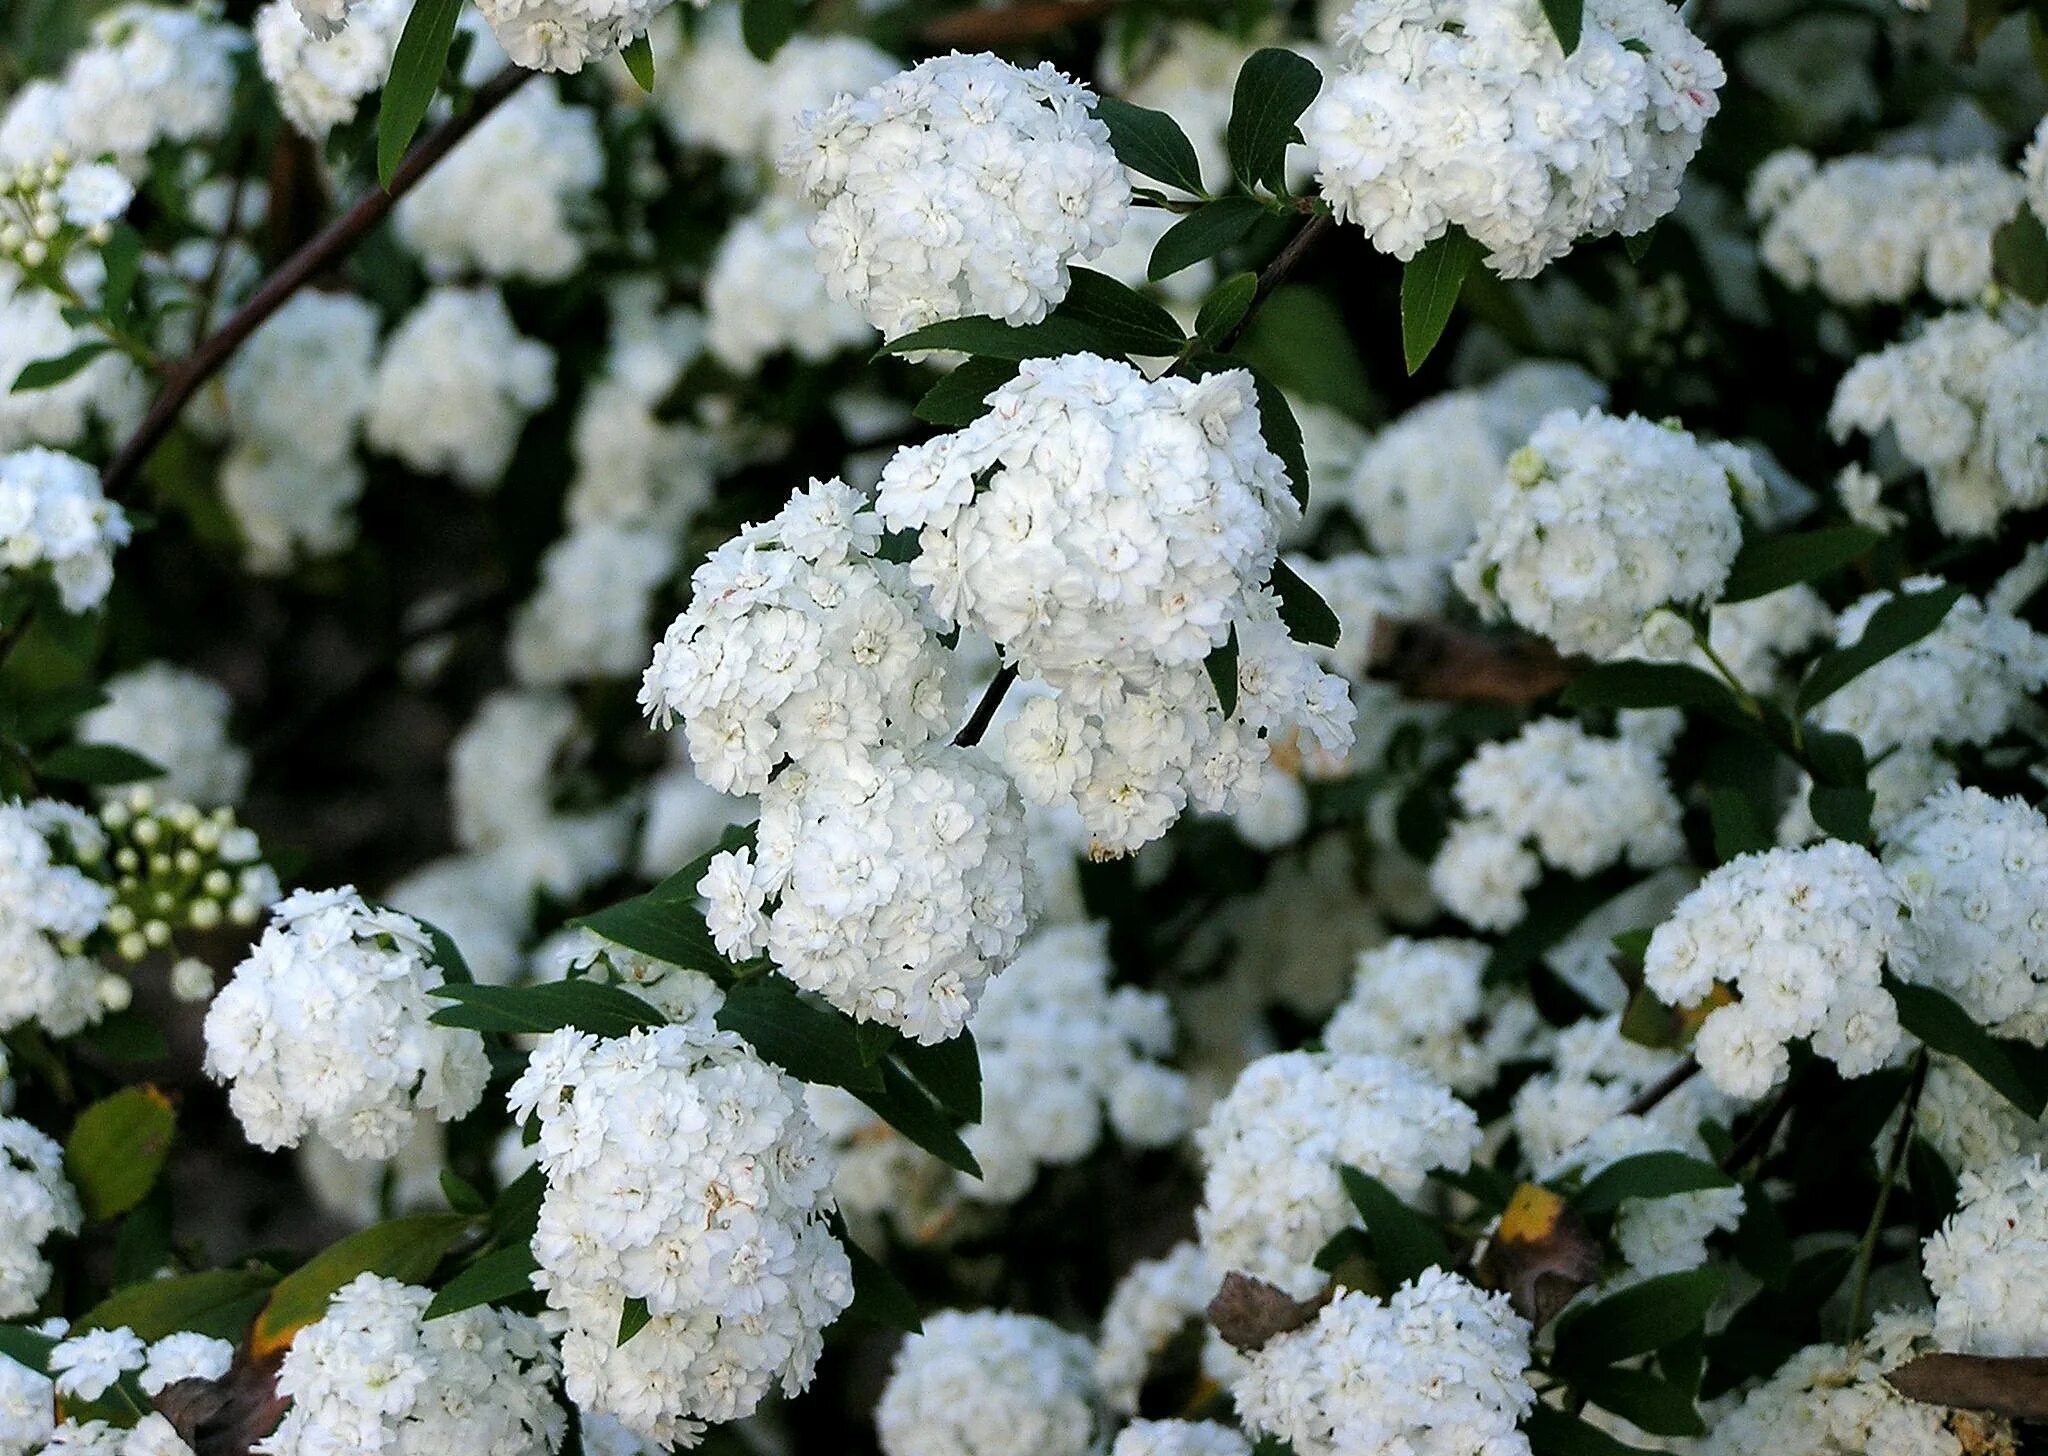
<point>56,525</point>
<point>989,1383</point>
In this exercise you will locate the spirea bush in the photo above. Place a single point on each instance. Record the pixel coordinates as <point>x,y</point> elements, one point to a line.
<point>977,728</point>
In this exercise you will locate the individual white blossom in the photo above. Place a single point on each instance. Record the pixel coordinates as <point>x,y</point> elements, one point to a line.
<point>177,720</point>
<point>325,1028</point>
<point>1425,1002</point>
<point>1604,521</point>
<point>320,75</point>
<point>1440,1368</point>
<point>54,522</point>
<point>989,1383</point>
<point>457,383</point>
<point>1986,1264</point>
<point>373,1374</point>
<point>1802,938</point>
<point>965,185</point>
<point>1271,1195</point>
<point>28,1405</point>
<point>1453,113</point>
<point>683,1172</point>
<point>39,1203</point>
<point>560,35</point>
<point>720,96</point>
<point>763,297</point>
<point>48,907</point>
<point>87,1364</point>
<point>185,1355</point>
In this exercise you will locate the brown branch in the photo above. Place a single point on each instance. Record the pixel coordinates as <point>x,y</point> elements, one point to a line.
<point>986,29</point>
<point>325,249</point>
<point>1440,663</point>
<point>1663,1087</point>
<point>2015,1386</point>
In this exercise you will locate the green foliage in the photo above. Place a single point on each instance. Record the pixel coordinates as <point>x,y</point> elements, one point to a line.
<point>117,1148</point>
<point>1430,284</point>
<point>1274,87</point>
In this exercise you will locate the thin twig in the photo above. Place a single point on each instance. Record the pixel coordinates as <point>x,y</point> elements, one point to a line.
<point>985,710</point>
<point>1275,273</point>
<point>1756,1141</point>
<point>321,252</point>
<point>1663,1087</point>
<point>1866,1251</point>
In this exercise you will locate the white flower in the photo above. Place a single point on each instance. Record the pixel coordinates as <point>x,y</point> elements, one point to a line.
<point>39,1203</point>
<point>965,185</point>
<point>560,35</point>
<point>1179,1438</point>
<point>321,73</point>
<point>1423,1001</point>
<point>1988,1264</point>
<point>184,1356</point>
<point>763,297</point>
<point>85,1365</point>
<point>177,720</point>
<point>988,1383</point>
<point>48,906</point>
<point>718,95</point>
<point>588,617</point>
<point>55,521</point>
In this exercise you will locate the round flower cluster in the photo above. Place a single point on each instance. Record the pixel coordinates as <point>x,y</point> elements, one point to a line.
<point>1966,682</point>
<point>588,617</point>
<point>1271,1196</point>
<point>988,1383</point>
<point>1969,1122</point>
<point>1877,229</point>
<point>47,209</point>
<point>1553,796</point>
<point>1438,1369</point>
<point>108,389</point>
<point>1424,1002</point>
<point>797,641</point>
<point>1151,1305</point>
<point>1179,1438</point>
<point>1594,1074</point>
<point>457,383</point>
<point>320,76</point>
<point>1463,113</point>
<point>173,867</point>
<point>325,1028</point>
<point>39,1203</point>
<point>1666,1235</point>
<point>1801,936</point>
<point>683,1175</point>
<point>177,720</point>
<point>763,297</point>
<point>965,185</point>
<point>1603,521</point>
<point>560,35</point>
<point>1754,639</point>
<point>1973,871</point>
<point>725,99</point>
<point>1421,486</point>
<point>633,466</point>
<point>1988,1264</point>
<point>506,202</point>
<point>892,884</point>
<point>48,907</point>
<point>1963,400</point>
<point>373,1374</point>
<point>54,520</point>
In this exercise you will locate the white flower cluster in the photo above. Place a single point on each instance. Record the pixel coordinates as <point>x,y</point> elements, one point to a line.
<point>374,1375</point>
<point>54,520</point>
<point>1877,229</point>
<point>989,1383</point>
<point>892,884</point>
<point>1963,400</point>
<point>1108,533</point>
<point>325,1028</point>
<point>1424,1001</point>
<point>506,203</point>
<point>39,1203</point>
<point>1754,639</point>
<point>1440,1368</point>
<point>798,642</point>
<point>1152,1304</point>
<point>722,97</point>
<point>965,185</point>
<point>1988,1264</point>
<point>1271,1195</point>
<point>633,467</point>
<point>48,906</point>
<point>1422,484</point>
<point>1468,114</point>
<point>293,399</point>
<point>1603,522</point>
<point>588,617</point>
<point>682,1172</point>
<point>457,384</point>
<point>177,720</point>
<point>108,389</point>
<point>1965,682</point>
<point>1554,796</point>
<point>763,296</point>
<point>560,35</point>
<point>1973,871</point>
<point>1179,1438</point>
<point>1801,936</point>
<point>1594,1074</point>
<point>1970,1123</point>
<point>321,76</point>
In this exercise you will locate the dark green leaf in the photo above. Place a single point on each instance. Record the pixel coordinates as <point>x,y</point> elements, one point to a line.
<point>1202,234</point>
<point>1632,684</point>
<point>1553,1432</point>
<point>1761,1244</point>
<point>1566,17</point>
<point>1842,811</point>
<point>25,1346</point>
<point>879,1297</point>
<point>1637,245</point>
<point>633,1318</point>
<point>1648,1175</point>
<point>912,1111</point>
<point>638,54</point>
<point>462,1194</point>
<point>993,339</point>
<point>1648,1402</point>
<point>950,1070</point>
<point>218,1303</point>
<point>1404,1243</point>
<point>1641,1318</point>
<point>1130,322</point>
<point>122,258</point>
<point>1772,563</point>
<point>2019,257</point>
<point>498,1276</point>
<point>664,923</point>
<point>416,68</point>
<point>1739,828</point>
<point>126,1036</point>
<point>811,1042</point>
<point>1307,616</point>
<point>407,1249</point>
<point>1946,1027</point>
<point>1274,87</point>
<point>766,25</point>
<point>961,397</point>
<point>1225,307</point>
<point>117,1147</point>
<point>516,1212</point>
<point>1893,627</point>
<point>100,764</point>
<point>447,955</point>
<point>1430,282</point>
<point>1300,342</point>
<point>1151,144</point>
<point>1222,665</point>
<point>590,1006</point>
<point>43,373</point>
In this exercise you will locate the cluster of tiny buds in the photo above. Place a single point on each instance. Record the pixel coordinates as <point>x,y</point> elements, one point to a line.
<point>174,866</point>
<point>33,213</point>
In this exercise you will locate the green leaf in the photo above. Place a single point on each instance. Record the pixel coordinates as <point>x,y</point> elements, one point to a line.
<point>1648,1402</point>
<point>218,1303</point>
<point>1842,811</point>
<point>993,339</point>
<point>950,1070</point>
<point>664,923</point>
<point>28,1347</point>
<point>1151,144</point>
<point>1225,307</point>
<point>879,1297</point>
<point>516,1212</point>
<point>100,764</point>
<point>1300,341</point>
<point>1553,1432</point>
<point>1307,616</point>
<point>1222,665</point>
<point>500,1275</point>
<point>813,1043</point>
<point>1772,563</point>
<point>1404,1243</point>
<point>407,1249</point>
<point>1430,282</point>
<point>766,25</point>
<point>117,1147</point>
<point>1937,1020</point>
<point>912,1111</point>
<point>1739,828</point>
<point>961,397</point>
<point>1130,322</point>
<point>1274,87</point>
<point>633,1318</point>
<point>1633,684</point>
<point>416,68</point>
<point>1761,1244</point>
<point>1566,18</point>
<point>447,955</point>
<point>43,373</point>
<point>590,1006</point>
<point>125,1036</point>
<point>1893,627</point>
<point>122,258</point>
<point>2019,257</point>
<point>638,54</point>
<point>1641,1318</point>
<point>462,1194</point>
<point>1637,245</point>
<point>1648,1175</point>
<point>1202,234</point>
